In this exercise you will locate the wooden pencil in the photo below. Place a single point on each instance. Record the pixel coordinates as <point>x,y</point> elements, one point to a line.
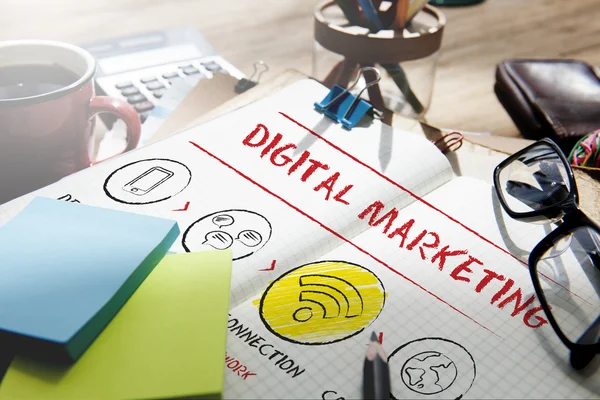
<point>401,14</point>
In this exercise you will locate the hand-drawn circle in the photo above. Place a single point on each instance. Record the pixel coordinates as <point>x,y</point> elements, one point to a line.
<point>147,181</point>
<point>237,222</point>
<point>302,314</point>
<point>218,239</point>
<point>322,302</point>
<point>250,237</point>
<point>431,366</point>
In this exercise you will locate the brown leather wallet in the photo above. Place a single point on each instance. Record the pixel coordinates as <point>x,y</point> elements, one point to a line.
<point>559,99</point>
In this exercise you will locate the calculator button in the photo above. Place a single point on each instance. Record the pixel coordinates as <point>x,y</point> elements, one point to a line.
<point>143,106</point>
<point>190,70</point>
<point>158,93</point>
<point>136,98</point>
<point>148,79</point>
<point>123,84</point>
<point>170,75</point>
<point>144,116</point>
<point>130,91</point>
<point>155,85</point>
<point>212,66</point>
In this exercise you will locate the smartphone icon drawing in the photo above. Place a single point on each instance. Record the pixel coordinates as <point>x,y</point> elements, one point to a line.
<point>148,180</point>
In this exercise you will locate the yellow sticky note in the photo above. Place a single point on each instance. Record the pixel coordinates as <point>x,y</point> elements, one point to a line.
<point>167,341</point>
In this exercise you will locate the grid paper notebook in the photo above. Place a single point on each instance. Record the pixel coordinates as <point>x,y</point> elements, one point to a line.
<point>336,234</point>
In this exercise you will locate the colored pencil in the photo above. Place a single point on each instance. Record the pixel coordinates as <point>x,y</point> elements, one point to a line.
<point>401,14</point>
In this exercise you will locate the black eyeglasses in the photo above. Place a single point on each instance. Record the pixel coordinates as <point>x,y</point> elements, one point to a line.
<point>537,184</point>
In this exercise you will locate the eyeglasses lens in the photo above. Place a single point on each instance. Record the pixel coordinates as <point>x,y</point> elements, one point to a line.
<point>536,180</point>
<point>569,274</point>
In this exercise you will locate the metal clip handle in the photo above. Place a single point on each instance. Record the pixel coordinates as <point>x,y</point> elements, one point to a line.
<point>347,90</point>
<point>258,73</point>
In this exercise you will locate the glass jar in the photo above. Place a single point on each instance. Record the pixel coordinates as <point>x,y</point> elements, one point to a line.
<point>407,60</point>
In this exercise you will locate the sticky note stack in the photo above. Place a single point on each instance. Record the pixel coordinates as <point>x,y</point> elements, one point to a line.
<point>168,341</point>
<point>66,269</point>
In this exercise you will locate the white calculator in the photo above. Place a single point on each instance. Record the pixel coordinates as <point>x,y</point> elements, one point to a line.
<point>140,68</point>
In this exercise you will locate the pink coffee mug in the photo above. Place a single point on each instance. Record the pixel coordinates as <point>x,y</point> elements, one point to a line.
<point>49,135</point>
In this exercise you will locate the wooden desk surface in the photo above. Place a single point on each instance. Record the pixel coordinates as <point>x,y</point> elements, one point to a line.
<point>280,32</point>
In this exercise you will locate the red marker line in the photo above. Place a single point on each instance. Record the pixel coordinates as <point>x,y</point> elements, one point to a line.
<point>420,199</point>
<point>380,338</point>
<point>333,232</point>
<point>271,268</point>
<point>184,207</point>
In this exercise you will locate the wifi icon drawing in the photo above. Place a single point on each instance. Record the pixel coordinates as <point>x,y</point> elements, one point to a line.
<point>321,290</point>
<point>322,302</point>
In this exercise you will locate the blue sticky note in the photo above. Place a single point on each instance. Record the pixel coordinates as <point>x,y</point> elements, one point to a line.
<point>67,268</point>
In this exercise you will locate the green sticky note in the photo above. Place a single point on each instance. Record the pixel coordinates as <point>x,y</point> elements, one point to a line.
<point>168,340</point>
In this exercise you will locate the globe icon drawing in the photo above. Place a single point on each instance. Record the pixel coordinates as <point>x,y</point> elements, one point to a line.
<point>429,372</point>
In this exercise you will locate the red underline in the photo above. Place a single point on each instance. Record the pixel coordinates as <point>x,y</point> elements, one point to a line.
<point>420,199</point>
<point>333,232</point>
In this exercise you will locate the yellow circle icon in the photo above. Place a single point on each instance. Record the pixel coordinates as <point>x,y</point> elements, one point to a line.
<point>322,302</point>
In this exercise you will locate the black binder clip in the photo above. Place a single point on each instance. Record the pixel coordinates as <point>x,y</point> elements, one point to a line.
<point>245,84</point>
<point>346,108</point>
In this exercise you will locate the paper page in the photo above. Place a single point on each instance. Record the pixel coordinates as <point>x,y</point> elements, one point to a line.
<point>276,201</point>
<point>166,342</point>
<point>454,309</point>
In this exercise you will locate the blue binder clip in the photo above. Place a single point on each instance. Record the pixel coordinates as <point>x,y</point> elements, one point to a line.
<point>344,107</point>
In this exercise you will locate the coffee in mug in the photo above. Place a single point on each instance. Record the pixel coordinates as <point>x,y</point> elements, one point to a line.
<point>47,110</point>
<point>26,80</point>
